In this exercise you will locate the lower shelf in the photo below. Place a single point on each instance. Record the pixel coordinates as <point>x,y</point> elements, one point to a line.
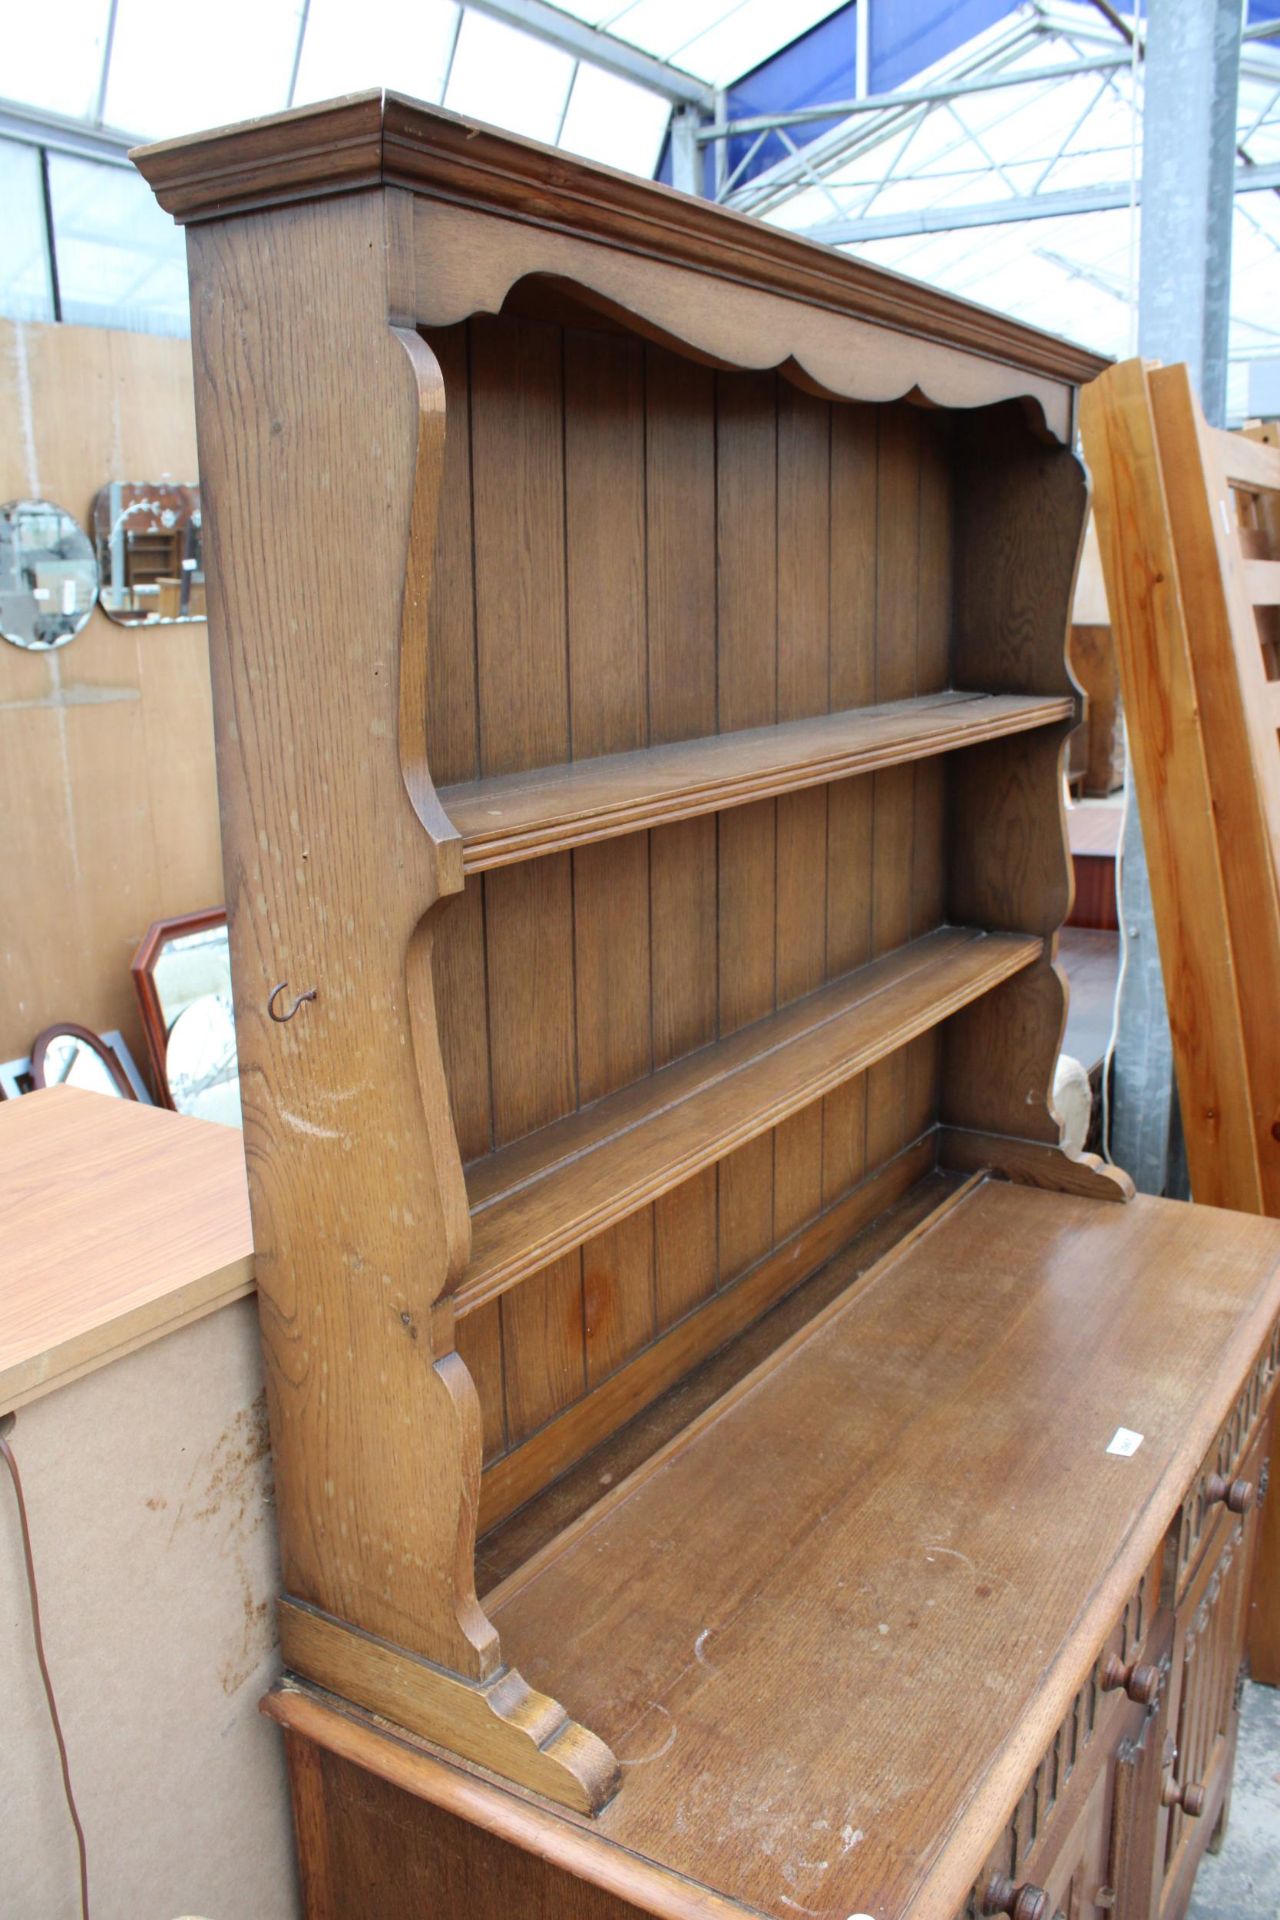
<point>545,1194</point>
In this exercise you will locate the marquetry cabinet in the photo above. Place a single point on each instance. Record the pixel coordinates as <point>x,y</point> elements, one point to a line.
<point>730,1458</point>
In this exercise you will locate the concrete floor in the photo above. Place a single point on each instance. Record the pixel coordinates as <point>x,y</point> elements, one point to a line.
<point>1243,1881</point>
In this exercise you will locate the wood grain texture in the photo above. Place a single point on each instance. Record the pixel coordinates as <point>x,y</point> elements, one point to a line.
<point>499,1723</point>
<point>1264,1612</point>
<point>343,1274</point>
<point>1152,635</point>
<point>122,1222</point>
<point>553,1189</point>
<point>1241,753</point>
<point>385,137</point>
<point>583,1422</point>
<point>731,974</point>
<point>524,1507</point>
<point>1064,1320</point>
<point>106,745</point>
<point>522,816</point>
<point>363,1849</point>
<point>1020,510</point>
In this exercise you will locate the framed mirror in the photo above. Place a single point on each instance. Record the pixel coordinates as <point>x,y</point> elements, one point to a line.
<point>69,1055</point>
<point>48,575</point>
<point>150,557</point>
<point>182,975</point>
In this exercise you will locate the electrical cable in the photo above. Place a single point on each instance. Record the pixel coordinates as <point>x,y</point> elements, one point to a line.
<point>1114,1035</point>
<point>6,1453</point>
<point>1135,51</point>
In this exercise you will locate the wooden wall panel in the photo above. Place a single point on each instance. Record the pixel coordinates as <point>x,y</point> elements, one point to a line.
<point>853,556</point>
<point>517,479</point>
<point>672,552</point>
<point>106,745</point>
<point>680,518</point>
<point>897,553</point>
<point>529,950</point>
<point>936,554</point>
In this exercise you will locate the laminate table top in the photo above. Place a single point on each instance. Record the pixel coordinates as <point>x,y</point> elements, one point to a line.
<point>118,1222</point>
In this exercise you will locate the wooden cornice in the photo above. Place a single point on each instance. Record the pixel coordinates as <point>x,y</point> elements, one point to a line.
<point>383,139</point>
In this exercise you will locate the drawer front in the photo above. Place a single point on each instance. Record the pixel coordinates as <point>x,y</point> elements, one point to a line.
<point>1204,1524</point>
<point>1069,1793</point>
<point>1208,1659</point>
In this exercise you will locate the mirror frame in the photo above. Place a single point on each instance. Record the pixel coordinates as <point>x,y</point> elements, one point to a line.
<point>94,1041</point>
<point>143,966</point>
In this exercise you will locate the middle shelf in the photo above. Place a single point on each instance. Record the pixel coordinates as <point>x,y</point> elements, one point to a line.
<point>520,816</point>
<point>548,1192</point>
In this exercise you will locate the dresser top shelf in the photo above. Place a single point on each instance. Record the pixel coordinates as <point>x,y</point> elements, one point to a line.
<point>931,1527</point>
<point>381,138</point>
<point>517,816</point>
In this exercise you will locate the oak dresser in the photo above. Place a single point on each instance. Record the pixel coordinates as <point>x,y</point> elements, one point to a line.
<point>731,1460</point>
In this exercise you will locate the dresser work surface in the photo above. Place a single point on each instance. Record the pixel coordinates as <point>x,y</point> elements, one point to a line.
<point>838,1723</point>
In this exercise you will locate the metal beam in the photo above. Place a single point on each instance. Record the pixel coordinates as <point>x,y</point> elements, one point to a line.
<point>864,132</point>
<point>35,128</point>
<point>998,213</point>
<point>1188,171</point>
<point>917,97</point>
<point>686,158</point>
<point>601,49</point>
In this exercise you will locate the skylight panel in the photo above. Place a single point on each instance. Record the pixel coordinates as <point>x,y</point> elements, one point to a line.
<point>666,28</point>
<point>53,55</point>
<point>26,292</point>
<point>747,34</point>
<point>121,260</point>
<point>508,78</point>
<point>180,69</point>
<point>613,120</point>
<point>403,44</point>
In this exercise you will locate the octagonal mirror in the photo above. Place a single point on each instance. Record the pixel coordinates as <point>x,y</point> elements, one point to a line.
<point>148,535</point>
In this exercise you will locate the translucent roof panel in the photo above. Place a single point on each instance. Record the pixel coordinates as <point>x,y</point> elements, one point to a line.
<point>614,121</point>
<point>501,75</point>
<point>412,39</point>
<point>715,40</point>
<point>871,182</point>
<point>24,254</point>
<point>121,260</point>
<point>174,69</point>
<point>52,55</point>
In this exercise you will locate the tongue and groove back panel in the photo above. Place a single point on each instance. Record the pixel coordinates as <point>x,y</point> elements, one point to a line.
<point>635,548</point>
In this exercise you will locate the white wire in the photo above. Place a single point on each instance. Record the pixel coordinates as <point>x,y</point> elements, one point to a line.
<point>1113,1036</point>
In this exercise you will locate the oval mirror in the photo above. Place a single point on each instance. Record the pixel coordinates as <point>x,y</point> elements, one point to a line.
<point>148,536</point>
<point>48,575</point>
<point>200,1061</point>
<point>71,1056</point>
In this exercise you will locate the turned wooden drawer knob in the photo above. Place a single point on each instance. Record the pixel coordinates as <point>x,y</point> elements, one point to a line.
<point>1236,1495</point>
<point>1189,1798</point>
<point>1020,1903</point>
<point>1140,1683</point>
